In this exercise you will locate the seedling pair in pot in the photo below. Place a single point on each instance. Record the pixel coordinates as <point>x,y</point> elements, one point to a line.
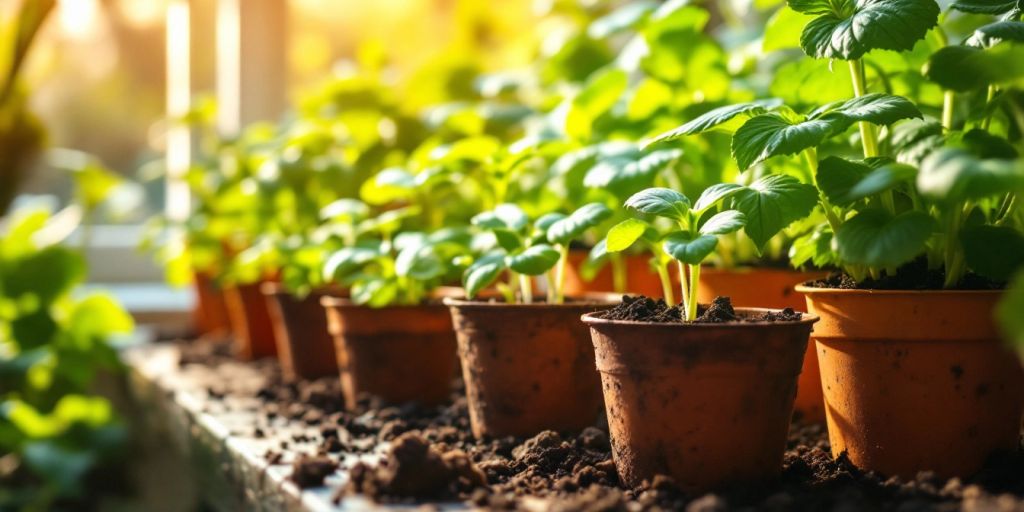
<point>527,361</point>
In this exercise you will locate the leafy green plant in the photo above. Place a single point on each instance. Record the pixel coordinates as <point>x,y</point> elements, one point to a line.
<point>525,249</point>
<point>54,341</point>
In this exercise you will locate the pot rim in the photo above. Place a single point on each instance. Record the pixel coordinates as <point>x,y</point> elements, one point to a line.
<point>804,289</point>
<point>587,299</point>
<point>334,301</point>
<point>806,319</point>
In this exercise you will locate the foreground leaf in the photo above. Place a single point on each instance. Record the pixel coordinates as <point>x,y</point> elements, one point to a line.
<point>878,239</point>
<point>995,252</point>
<point>772,203</point>
<point>662,202</point>
<point>690,249</point>
<point>534,260</point>
<point>864,26</point>
<point>624,234</point>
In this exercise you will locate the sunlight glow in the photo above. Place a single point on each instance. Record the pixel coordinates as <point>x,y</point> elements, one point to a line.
<point>79,19</point>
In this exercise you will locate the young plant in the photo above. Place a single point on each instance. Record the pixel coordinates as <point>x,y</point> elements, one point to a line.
<point>526,250</point>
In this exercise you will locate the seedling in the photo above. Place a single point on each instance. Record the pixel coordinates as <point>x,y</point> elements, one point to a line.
<point>525,250</point>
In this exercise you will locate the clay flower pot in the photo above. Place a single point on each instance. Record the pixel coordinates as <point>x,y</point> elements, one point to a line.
<point>304,346</point>
<point>916,380</point>
<point>528,367</point>
<point>250,322</point>
<point>707,404</point>
<point>774,289</point>
<point>640,278</point>
<point>398,353</point>
<point>211,310</point>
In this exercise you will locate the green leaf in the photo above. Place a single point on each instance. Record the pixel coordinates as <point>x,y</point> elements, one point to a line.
<point>964,68</point>
<point>599,95</point>
<point>953,175</point>
<point>865,26</point>
<point>419,262</point>
<point>723,223</point>
<point>783,30</point>
<point>534,260</point>
<point>374,292</point>
<point>624,234</point>
<point>715,194</point>
<point>482,273</point>
<point>814,7</point>
<point>773,134</point>
<point>596,259</point>
<point>348,260</point>
<point>625,175</point>
<point>1007,8</point>
<point>995,33</point>
<point>662,202</point>
<point>727,119</point>
<point>878,239</point>
<point>689,249</point>
<point>623,18</point>
<point>876,108</point>
<point>345,210</point>
<point>388,186</point>
<point>772,203</point>
<point>508,216</point>
<point>995,252</point>
<point>837,176</point>
<point>572,227</point>
<point>879,180</point>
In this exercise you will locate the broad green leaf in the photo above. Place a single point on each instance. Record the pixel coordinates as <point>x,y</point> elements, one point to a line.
<point>387,186</point>
<point>508,216</point>
<point>662,202</point>
<point>389,221</point>
<point>814,247</point>
<point>953,175</point>
<point>625,175</point>
<point>915,139</point>
<point>837,176</point>
<point>482,273</point>
<point>624,234</point>
<point>783,30</point>
<point>1007,8</point>
<point>879,180</point>
<point>876,108</point>
<point>723,223</point>
<point>995,252</point>
<point>623,18</point>
<point>985,145</point>
<point>98,316</point>
<point>47,274</point>
<point>572,227</point>
<point>815,7</point>
<point>420,263</point>
<point>807,82</point>
<point>772,203</point>
<point>689,249</point>
<point>727,118</point>
<point>534,260</point>
<point>878,239</point>
<point>965,68</point>
<point>348,260</point>
<point>374,292</point>
<point>345,210</point>
<point>598,96</point>
<point>715,194</point>
<point>865,26</point>
<point>995,33</point>
<point>545,221</point>
<point>773,134</point>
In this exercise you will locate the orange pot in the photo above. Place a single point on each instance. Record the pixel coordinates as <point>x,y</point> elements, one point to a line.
<point>250,322</point>
<point>211,311</point>
<point>641,279</point>
<point>305,348</point>
<point>398,353</point>
<point>774,289</point>
<point>707,404</point>
<point>527,367</point>
<point>916,380</point>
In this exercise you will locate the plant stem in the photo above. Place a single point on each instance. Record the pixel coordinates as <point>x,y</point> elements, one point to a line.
<point>550,277</point>
<point>988,104</point>
<point>683,289</point>
<point>666,284</point>
<point>867,131</point>
<point>952,252</point>
<point>526,287</point>
<point>811,156</point>
<point>563,261</point>
<point>691,310</point>
<point>1006,210</point>
<point>948,99</point>
<point>618,273</point>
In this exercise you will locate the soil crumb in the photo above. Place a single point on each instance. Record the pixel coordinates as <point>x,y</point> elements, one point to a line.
<point>310,471</point>
<point>413,468</point>
<point>646,309</point>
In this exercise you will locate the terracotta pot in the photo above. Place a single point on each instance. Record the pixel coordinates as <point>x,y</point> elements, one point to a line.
<point>707,404</point>
<point>398,353</point>
<point>528,367</point>
<point>774,289</point>
<point>916,380</point>
<point>640,278</point>
<point>211,311</point>
<point>250,321</point>
<point>305,348</point>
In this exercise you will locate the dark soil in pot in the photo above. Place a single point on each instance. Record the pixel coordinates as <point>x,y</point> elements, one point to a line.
<point>563,472</point>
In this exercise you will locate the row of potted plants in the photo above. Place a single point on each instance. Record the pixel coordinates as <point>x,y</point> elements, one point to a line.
<point>498,191</point>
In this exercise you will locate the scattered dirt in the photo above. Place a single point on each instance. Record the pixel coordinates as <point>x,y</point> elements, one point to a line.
<point>310,471</point>
<point>913,276</point>
<point>645,309</point>
<point>434,457</point>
